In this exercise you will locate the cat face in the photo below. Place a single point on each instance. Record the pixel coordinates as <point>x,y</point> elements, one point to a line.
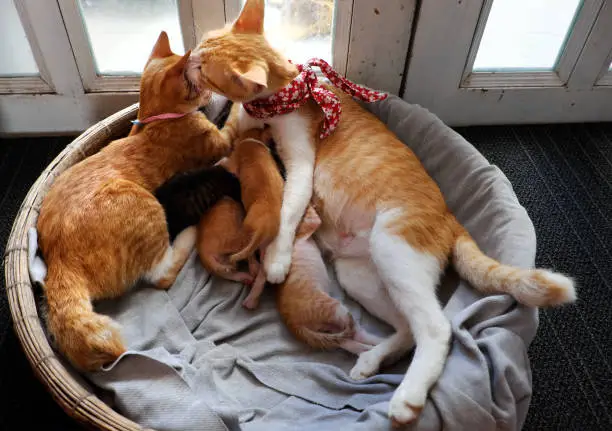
<point>165,86</point>
<point>238,62</point>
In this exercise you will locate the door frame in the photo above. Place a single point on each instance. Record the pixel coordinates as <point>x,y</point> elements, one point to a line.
<point>440,77</point>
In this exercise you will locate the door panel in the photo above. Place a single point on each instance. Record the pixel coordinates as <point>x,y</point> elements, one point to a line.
<point>512,61</point>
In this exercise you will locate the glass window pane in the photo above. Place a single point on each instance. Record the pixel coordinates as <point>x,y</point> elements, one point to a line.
<point>301,29</point>
<point>122,33</point>
<point>16,57</point>
<point>525,34</point>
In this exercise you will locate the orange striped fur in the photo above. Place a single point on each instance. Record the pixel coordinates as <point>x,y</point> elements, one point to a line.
<point>219,235</point>
<point>261,189</point>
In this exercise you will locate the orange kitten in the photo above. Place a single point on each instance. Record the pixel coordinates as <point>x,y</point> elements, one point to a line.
<point>261,188</point>
<point>309,312</point>
<point>219,235</point>
<point>384,220</point>
<point>100,227</point>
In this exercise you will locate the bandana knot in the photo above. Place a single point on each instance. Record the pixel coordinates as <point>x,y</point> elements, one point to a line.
<point>306,86</point>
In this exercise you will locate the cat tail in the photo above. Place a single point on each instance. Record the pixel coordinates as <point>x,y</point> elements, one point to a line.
<point>533,287</point>
<point>314,317</point>
<point>213,264</point>
<point>88,339</point>
<point>326,335</point>
<point>254,243</point>
<point>353,339</point>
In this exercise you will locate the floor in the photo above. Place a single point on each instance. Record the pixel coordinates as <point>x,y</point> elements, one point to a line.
<point>562,174</point>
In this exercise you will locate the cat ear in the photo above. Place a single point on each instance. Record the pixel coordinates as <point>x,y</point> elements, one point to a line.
<point>162,47</point>
<point>251,18</point>
<point>179,66</point>
<point>254,80</point>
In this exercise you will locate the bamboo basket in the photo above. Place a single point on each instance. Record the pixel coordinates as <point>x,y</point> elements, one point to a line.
<point>68,389</point>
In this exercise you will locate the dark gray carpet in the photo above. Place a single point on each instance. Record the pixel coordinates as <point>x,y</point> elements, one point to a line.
<point>562,174</point>
<point>24,402</point>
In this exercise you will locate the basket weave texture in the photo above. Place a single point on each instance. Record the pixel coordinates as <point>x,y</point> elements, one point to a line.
<point>67,388</point>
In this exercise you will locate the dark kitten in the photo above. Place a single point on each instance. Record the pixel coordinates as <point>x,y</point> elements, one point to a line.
<point>187,196</point>
<point>277,159</point>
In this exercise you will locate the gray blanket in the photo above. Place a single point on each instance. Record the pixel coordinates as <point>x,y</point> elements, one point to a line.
<point>197,360</point>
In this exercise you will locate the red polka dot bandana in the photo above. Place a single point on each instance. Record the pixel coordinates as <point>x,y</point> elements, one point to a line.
<point>306,86</point>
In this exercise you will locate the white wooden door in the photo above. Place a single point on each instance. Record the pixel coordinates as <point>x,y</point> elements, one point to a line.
<point>512,61</point>
<point>66,64</point>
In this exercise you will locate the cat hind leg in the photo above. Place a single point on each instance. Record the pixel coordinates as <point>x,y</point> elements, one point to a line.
<point>164,272</point>
<point>411,274</point>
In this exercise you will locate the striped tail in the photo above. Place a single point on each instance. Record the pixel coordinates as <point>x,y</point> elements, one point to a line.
<point>88,339</point>
<point>327,334</point>
<point>255,242</point>
<point>533,287</point>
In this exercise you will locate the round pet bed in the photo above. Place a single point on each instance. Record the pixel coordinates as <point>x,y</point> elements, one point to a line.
<point>197,360</point>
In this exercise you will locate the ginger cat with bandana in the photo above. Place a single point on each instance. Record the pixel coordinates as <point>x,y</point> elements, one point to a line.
<point>100,227</point>
<point>384,220</point>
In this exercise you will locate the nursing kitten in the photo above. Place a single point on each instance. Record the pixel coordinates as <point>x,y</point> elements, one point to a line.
<point>219,235</point>
<point>261,188</point>
<point>101,229</point>
<point>384,220</point>
<point>188,195</point>
<point>309,312</point>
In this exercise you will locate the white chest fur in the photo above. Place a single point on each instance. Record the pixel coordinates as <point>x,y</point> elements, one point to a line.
<point>297,151</point>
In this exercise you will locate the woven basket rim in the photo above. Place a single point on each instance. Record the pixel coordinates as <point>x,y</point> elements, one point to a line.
<point>73,396</point>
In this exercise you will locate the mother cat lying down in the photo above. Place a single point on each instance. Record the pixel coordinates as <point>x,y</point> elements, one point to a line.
<point>384,220</point>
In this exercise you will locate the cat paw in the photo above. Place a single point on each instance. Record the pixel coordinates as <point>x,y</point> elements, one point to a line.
<point>277,264</point>
<point>186,239</point>
<point>367,365</point>
<point>250,303</point>
<point>401,412</point>
<point>277,271</point>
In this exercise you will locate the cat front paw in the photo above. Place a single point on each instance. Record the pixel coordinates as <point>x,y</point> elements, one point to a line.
<point>401,410</point>
<point>277,262</point>
<point>277,271</point>
<point>367,365</point>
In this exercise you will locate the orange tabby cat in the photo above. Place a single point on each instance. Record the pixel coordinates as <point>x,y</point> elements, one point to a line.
<point>261,188</point>
<point>100,228</point>
<point>384,220</point>
<point>219,235</point>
